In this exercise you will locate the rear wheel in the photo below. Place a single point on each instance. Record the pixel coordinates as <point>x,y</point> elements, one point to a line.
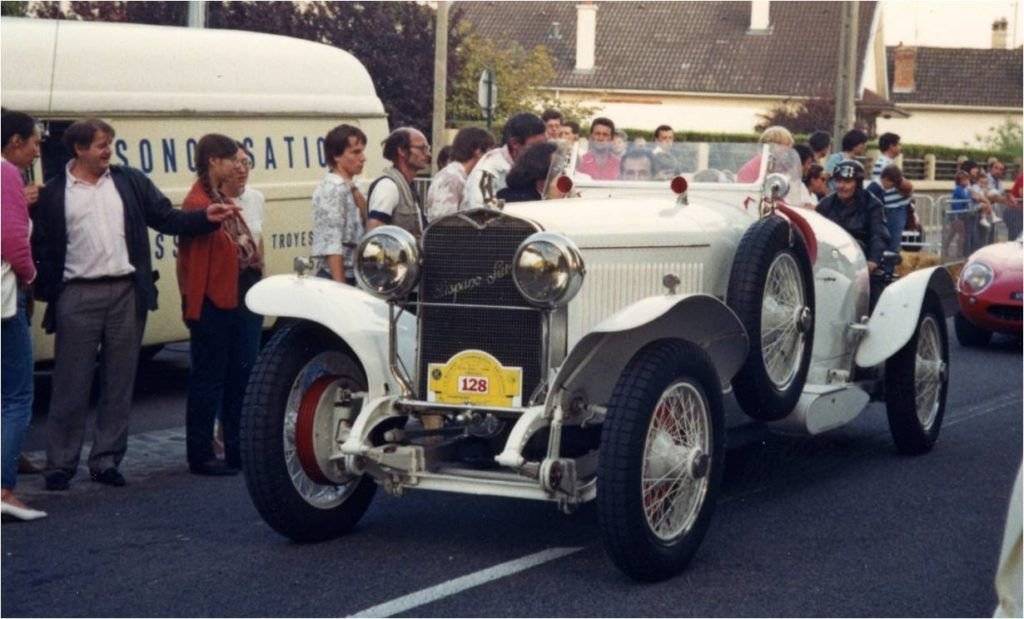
<point>771,291</point>
<point>969,335</point>
<point>916,380</point>
<point>661,460</point>
<point>287,436</point>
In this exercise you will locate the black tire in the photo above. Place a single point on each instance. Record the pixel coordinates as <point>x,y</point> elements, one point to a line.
<point>915,423</point>
<point>969,335</point>
<point>631,542</point>
<point>769,242</point>
<point>280,365</point>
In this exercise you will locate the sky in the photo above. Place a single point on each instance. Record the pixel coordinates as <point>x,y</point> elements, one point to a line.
<point>950,23</point>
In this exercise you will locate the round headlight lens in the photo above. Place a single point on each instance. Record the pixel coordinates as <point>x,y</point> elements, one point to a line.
<point>548,269</point>
<point>975,277</point>
<point>388,262</point>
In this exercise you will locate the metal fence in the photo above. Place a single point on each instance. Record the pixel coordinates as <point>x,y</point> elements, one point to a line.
<point>963,227</point>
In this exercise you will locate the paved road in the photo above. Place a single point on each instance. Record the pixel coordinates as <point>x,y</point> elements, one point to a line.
<point>835,525</point>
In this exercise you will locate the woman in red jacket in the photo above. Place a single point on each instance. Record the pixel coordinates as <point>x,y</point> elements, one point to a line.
<point>215,271</point>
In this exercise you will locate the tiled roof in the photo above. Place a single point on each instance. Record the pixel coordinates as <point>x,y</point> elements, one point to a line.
<point>683,46</point>
<point>957,76</point>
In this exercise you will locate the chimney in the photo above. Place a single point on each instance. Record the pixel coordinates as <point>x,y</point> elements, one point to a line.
<point>586,33</point>
<point>760,17</point>
<point>904,61</point>
<point>999,33</point>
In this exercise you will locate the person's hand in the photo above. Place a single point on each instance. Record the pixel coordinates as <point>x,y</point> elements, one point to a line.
<point>216,213</point>
<point>872,266</point>
<point>32,193</point>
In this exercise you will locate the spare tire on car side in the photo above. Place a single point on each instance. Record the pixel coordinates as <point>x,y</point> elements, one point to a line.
<point>771,289</point>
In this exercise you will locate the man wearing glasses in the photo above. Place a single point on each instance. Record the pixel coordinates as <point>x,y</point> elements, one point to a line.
<point>392,197</point>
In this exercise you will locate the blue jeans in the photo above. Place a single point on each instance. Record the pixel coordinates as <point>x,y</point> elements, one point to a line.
<point>896,221</point>
<point>225,344</point>
<point>16,396</point>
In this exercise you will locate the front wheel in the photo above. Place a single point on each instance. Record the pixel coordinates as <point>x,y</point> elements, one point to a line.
<point>287,436</point>
<point>916,380</point>
<point>661,460</point>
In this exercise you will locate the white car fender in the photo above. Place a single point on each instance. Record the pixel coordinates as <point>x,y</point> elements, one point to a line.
<point>596,361</point>
<point>358,318</point>
<point>895,317</point>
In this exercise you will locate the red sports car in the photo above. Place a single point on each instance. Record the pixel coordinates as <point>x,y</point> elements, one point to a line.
<point>989,289</point>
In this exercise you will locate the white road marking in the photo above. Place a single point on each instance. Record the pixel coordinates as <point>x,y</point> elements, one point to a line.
<point>458,585</point>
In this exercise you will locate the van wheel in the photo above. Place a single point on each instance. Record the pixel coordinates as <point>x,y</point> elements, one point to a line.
<point>661,460</point>
<point>287,436</point>
<point>771,290</point>
<point>916,380</point>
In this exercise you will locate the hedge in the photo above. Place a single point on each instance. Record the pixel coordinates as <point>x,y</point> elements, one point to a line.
<point>910,151</point>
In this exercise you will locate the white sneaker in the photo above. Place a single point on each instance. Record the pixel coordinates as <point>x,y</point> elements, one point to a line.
<point>984,223</point>
<point>20,513</point>
<point>997,220</point>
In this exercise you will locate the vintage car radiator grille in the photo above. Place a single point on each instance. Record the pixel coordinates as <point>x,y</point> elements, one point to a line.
<point>467,260</point>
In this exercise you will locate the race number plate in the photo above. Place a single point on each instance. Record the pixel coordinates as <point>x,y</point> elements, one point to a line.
<point>474,377</point>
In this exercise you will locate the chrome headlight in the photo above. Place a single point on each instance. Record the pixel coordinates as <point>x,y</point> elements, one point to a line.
<point>975,277</point>
<point>548,269</point>
<point>388,262</point>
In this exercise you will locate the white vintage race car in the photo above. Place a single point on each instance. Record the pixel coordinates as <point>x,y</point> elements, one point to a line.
<point>580,349</point>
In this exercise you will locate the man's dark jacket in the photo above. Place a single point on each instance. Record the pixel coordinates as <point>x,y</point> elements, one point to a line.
<point>144,207</point>
<point>864,219</point>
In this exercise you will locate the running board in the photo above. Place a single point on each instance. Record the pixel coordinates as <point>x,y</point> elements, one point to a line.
<point>822,408</point>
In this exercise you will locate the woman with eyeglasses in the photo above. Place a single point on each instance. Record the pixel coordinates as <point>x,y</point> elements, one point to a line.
<point>215,270</point>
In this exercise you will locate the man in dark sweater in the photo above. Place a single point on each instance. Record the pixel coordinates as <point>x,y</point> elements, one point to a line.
<point>859,213</point>
<point>91,245</point>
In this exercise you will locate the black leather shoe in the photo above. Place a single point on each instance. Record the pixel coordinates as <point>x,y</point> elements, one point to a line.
<point>212,467</point>
<point>57,481</point>
<point>110,477</point>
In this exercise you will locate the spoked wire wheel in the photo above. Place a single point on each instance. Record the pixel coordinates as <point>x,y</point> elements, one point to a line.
<point>916,382</point>
<point>676,461</point>
<point>771,290</point>
<point>929,370</point>
<point>661,459</point>
<point>783,320</point>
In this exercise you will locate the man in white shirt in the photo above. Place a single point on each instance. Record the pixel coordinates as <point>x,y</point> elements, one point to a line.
<point>447,187</point>
<point>488,177</point>
<point>91,245</point>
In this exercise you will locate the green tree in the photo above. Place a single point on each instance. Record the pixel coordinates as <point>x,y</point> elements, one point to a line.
<point>517,72</point>
<point>805,116</point>
<point>13,8</point>
<point>1006,137</point>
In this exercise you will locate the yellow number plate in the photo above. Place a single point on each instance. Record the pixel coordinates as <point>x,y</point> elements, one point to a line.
<point>474,377</point>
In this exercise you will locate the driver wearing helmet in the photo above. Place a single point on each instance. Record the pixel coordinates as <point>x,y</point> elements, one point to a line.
<point>857,211</point>
<point>861,214</point>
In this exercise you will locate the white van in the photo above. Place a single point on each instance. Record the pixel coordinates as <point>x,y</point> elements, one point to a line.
<point>162,88</point>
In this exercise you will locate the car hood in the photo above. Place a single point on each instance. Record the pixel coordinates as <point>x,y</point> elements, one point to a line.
<point>1004,258</point>
<point>628,222</point>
